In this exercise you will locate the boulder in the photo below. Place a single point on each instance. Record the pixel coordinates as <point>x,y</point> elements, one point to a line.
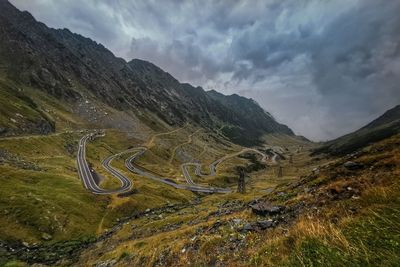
<point>46,236</point>
<point>264,224</point>
<point>237,221</point>
<point>265,208</point>
<point>248,227</point>
<point>350,165</point>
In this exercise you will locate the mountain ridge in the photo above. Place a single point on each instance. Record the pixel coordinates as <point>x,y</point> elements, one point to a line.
<point>71,67</point>
<point>386,125</point>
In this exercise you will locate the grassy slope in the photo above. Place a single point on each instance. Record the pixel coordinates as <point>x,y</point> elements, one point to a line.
<point>16,109</point>
<point>383,127</point>
<point>50,200</point>
<point>348,218</point>
<point>60,206</point>
<point>40,193</point>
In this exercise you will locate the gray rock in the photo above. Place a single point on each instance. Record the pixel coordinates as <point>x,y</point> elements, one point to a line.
<point>350,165</point>
<point>248,227</point>
<point>315,170</point>
<point>264,224</point>
<point>265,208</point>
<point>108,263</point>
<point>46,236</point>
<point>237,221</point>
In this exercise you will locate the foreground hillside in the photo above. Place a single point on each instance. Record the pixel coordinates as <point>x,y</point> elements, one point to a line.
<point>341,214</point>
<point>48,215</point>
<point>321,212</point>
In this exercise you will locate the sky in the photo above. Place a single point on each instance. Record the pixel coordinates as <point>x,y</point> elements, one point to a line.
<point>324,68</point>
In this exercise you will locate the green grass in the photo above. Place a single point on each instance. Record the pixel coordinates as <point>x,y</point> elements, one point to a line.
<point>16,109</point>
<point>374,240</point>
<point>51,200</point>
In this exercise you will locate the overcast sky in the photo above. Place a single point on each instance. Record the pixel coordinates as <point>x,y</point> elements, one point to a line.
<point>322,67</point>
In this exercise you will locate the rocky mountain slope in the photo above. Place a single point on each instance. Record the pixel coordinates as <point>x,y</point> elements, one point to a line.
<point>73,69</point>
<point>383,127</point>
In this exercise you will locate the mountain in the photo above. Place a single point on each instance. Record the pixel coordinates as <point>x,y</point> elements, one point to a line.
<point>250,115</point>
<point>383,127</point>
<point>75,71</point>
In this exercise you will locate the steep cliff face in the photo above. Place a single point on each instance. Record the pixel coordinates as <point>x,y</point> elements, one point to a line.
<point>71,68</point>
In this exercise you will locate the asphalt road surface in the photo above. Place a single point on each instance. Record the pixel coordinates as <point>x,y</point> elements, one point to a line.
<point>130,165</point>
<point>86,174</point>
<point>213,166</point>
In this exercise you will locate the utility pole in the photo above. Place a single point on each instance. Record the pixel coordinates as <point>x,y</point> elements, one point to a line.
<point>280,168</point>
<point>241,182</point>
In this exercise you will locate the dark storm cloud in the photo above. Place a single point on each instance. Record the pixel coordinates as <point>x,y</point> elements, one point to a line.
<point>323,67</point>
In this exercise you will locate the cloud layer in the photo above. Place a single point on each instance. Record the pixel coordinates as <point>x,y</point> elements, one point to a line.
<point>323,67</point>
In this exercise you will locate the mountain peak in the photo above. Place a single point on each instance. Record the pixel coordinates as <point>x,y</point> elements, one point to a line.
<point>70,66</point>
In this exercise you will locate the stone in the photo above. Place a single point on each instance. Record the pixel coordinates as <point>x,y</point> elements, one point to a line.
<point>350,165</point>
<point>237,221</point>
<point>264,224</point>
<point>46,236</point>
<point>248,227</point>
<point>315,170</point>
<point>108,263</point>
<point>265,208</point>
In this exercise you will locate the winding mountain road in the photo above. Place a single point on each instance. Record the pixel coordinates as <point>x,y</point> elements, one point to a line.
<point>86,174</point>
<point>130,165</point>
<point>214,164</point>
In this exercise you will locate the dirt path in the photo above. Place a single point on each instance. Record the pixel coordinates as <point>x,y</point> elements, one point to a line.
<point>21,137</point>
<point>203,151</point>
<point>180,145</point>
<point>100,226</point>
<point>244,150</point>
<point>150,143</point>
